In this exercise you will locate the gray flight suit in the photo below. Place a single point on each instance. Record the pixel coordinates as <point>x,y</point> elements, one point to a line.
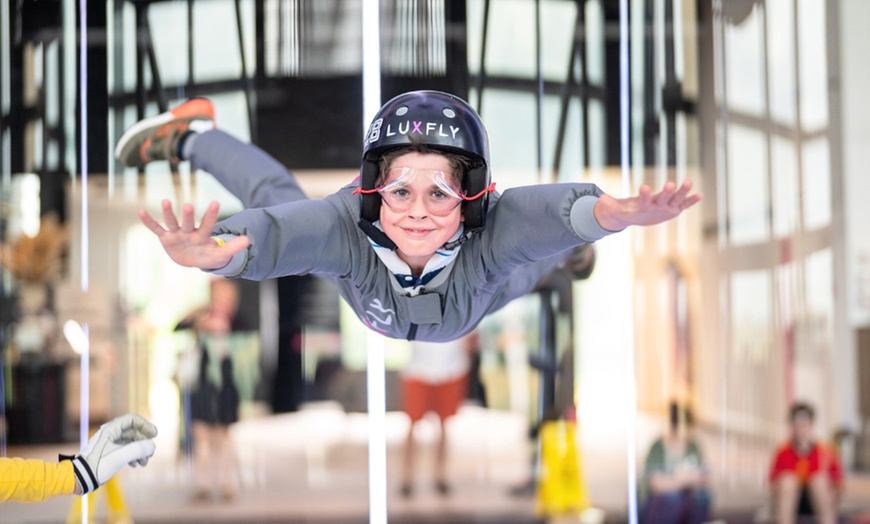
<point>529,231</point>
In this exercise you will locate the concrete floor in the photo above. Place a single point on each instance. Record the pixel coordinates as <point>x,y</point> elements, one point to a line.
<point>311,467</point>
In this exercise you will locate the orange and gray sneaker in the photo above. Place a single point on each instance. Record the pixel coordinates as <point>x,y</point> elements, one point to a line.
<point>157,137</point>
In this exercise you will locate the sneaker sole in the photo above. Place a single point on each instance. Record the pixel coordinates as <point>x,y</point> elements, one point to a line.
<point>132,139</point>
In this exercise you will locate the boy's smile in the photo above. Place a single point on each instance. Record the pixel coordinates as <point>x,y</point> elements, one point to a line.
<point>416,231</point>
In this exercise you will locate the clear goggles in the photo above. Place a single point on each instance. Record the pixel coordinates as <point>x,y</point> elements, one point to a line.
<point>405,185</point>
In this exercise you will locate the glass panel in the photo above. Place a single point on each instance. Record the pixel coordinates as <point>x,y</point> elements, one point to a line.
<point>751,315</point>
<point>748,197</point>
<point>557,35</point>
<point>597,140</point>
<point>510,119</point>
<point>812,60</point>
<point>128,45</point>
<point>744,65</point>
<point>474,14</point>
<point>216,53</point>
<point>816,184</point>
<point>595,39</point>
<point>514,40</point>
<point>756,379</point>
<point>573,155</point>
<point>781,60</point>
<point>169,38</point>
<point>814,336</point>
<point>818,282</point>
<point>784,187</point>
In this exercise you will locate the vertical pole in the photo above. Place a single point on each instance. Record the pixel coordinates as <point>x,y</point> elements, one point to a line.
<point>481,72</point>
<point>539,94</point>
<point>84,399</point>
<point>720,168</point>
<point>5,180</point>
<point>375,372</point>
<point>624,156</point>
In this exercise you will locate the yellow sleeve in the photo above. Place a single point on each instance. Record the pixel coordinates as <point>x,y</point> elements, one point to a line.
<point>34,480</point>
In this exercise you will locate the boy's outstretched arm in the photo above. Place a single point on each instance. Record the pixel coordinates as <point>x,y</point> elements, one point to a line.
<point>189,245</point>
<point>645,209</point>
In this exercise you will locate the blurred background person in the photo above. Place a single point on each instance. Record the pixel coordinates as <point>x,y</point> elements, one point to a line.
<point>435,379</point>
<point>675,475</point>
<point>805,475</point>
<point>213,395</point>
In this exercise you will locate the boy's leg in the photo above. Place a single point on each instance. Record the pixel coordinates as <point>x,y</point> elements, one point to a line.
<point>248,172</point>
<point>159,137</point>
<point>186,133</point>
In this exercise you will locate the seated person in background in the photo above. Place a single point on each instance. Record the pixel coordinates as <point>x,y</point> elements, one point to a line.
<point>675,477</point>
<point>124,440</point>
<point>805,475</point>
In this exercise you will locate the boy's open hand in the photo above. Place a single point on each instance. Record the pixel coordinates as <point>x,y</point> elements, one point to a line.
<point>192,246</point>
<point>645,209</point>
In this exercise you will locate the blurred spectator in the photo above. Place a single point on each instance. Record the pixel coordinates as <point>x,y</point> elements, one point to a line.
<point>675,476</point>
<point>435,379</point>
<point>805,475</point>
<point>214,397</point>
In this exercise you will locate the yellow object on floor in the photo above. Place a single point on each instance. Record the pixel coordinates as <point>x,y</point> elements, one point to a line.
<point>117,511</point>
<point>561,487</point>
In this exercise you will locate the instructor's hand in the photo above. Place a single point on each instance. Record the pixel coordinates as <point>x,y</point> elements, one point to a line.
<point>192,246</point>
<point>645,209</point>
<point>124,440</point>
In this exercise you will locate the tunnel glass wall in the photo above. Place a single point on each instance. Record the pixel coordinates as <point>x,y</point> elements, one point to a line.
<point>749,302</point>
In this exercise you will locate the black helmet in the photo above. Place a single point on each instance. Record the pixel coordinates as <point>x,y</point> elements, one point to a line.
<point>441,122</point>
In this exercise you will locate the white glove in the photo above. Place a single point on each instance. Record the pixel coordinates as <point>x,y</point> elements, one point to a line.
<point>124,440</point>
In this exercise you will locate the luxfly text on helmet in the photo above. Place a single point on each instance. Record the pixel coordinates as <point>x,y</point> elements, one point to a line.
<point>404,128</point>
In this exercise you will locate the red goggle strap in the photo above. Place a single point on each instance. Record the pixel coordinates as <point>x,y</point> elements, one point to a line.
<point>488,189</point>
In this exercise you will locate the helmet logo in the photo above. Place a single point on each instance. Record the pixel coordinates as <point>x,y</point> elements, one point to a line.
<point>374,132</point>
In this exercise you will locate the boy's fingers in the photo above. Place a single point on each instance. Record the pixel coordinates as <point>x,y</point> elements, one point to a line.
<point>169,216</point>
<point>681,193</point>
<point>664,196</point>
<point>187,219</point>
<point>643,195</point>
<point>150,223</point>
<point>209,218</point>
<point>691,201</point>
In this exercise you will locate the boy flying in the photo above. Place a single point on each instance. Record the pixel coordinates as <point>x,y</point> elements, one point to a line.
<point>420,246</point>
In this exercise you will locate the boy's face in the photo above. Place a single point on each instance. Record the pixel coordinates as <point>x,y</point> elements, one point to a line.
<point>417,232</point>
<point>802,429</point>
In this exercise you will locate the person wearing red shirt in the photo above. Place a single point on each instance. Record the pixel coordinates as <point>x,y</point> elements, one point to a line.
<point>805,474</point>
